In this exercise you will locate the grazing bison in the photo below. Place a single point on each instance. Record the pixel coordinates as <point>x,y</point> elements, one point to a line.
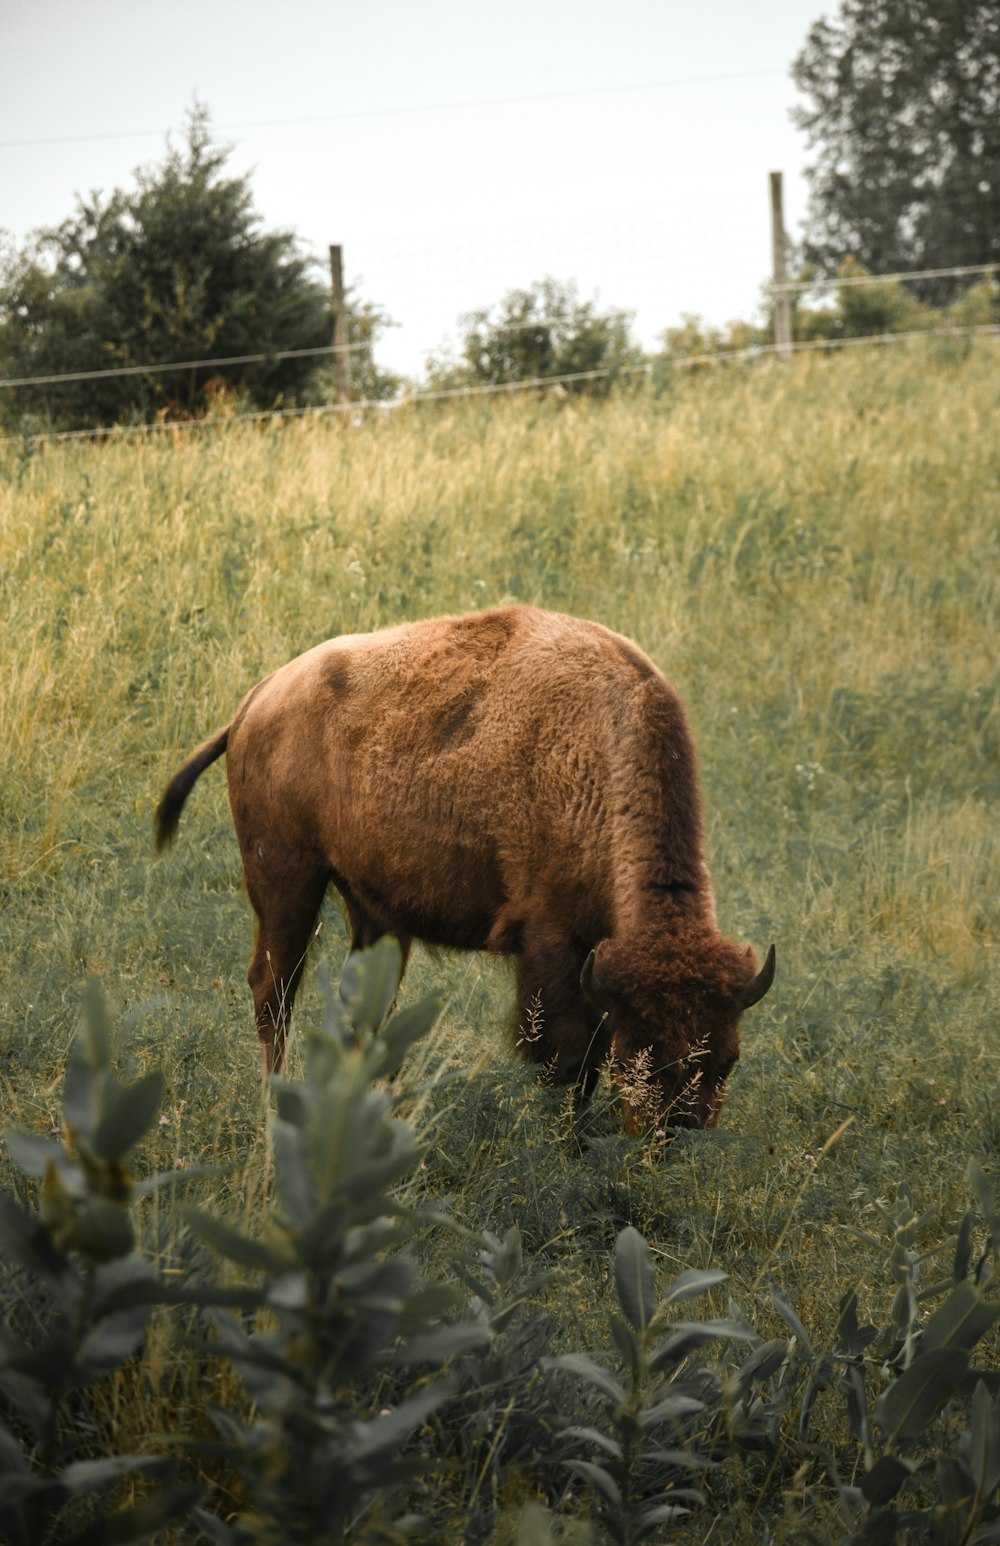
<point>513,781</point>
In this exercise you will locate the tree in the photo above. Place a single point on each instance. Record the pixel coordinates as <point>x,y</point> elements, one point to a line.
<point>540,332</point>
<point>179,269</point>
<point>905,117</point>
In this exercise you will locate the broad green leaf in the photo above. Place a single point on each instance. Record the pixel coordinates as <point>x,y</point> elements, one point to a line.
<point>83,1476</point>
<point>685,1336</point>
<point>109,1343</point>
<point>294,1099</point>
<point>369,981</point>
<point>504,1258</point>
<point>965,1316</point>
<point>852,1338</point>
<point>956,1487</point>
<point>598,1478</point>
<point>671,1408</point>
<point>82,1087</point>
<point>610,1446</point>
<point>128,1116</point>
<point>291,1291</point>
<point>984,1196</point>
<point>25,1397</point>
<point>97,1027</point>
<point>790,1318</point>
<point>216,1529</point>
<point>679,1459</point>
<point>627,1343</point>
<point>12,1457</point>
<point>378,1282</point>
<point>689,1284</point>
<point>372,1176</point>
<point>163,1178</point>
<point>763,1362</point>
<point>635,1278</point>
<point>230,1243</point>
<point>881,1484</point>
<point>382,1434</point>
<point>984,1441</point>
<point>296,1188</point>
<point>25,1242</point>
<point>852,1383</point>
<point>404,1029</point>
<point>963,1247</point>
<point>660,1514</point>
<point>907,1406</point>
<point>337,1031</point>
<point>34,1155</point>
<point>445,1342</point>
<point>102,1230</point>
<point>123,1284</point>
<point>583,1365</point>
<point>481,1289</point>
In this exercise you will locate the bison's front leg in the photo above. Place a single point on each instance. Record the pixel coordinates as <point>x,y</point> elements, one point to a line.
<point>556,1026</point>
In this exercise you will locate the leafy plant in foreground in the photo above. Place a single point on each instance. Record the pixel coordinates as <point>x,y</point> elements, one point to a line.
<point>640,1463</point>
<point>342,1296</point>
<point>500,1416</point>
<point>927,1363</point>
<point>933,1427</point>
<point>370,1391</point>
<point>77,1298</point>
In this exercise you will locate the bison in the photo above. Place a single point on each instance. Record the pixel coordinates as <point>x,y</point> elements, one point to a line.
<point>514,781</point>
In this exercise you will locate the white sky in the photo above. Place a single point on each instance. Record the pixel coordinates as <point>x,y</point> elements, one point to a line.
<point>456,149</point>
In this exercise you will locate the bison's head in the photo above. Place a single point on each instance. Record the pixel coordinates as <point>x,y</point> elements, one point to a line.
<point>673,1006</point>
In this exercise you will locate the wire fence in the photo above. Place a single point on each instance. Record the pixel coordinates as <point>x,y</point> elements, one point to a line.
<point>515,325</point>
<point>161,367</point>
<point>361,406</point>
<point>835,282</point>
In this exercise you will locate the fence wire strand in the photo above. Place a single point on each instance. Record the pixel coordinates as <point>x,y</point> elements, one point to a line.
<point>535,383</point>
<point>472,319</point>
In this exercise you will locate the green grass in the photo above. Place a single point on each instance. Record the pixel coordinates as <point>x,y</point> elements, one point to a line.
<point>810,551</point>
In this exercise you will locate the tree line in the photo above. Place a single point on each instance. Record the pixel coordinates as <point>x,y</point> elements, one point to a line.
<point>903,115</point>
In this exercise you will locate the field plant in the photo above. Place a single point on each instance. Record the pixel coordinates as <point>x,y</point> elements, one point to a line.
<point>77,1298</point>
<point>810,551</point>
<point>346,1356</point>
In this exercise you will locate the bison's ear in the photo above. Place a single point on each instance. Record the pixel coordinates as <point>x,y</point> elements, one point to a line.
<point>595,990</point>
<point>753,991</point>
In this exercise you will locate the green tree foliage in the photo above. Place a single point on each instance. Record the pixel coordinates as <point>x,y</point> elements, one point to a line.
<point>543,331</point>
<point>904,112</point>
<point>178,269</point>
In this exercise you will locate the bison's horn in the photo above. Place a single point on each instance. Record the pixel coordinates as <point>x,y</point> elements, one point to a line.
<point>594,990</point>
<point>752,992</point>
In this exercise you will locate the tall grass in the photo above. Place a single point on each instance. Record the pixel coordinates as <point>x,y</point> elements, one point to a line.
<point>811,551</point>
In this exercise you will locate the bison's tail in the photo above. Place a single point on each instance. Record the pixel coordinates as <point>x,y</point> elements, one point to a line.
<point>168,812</point>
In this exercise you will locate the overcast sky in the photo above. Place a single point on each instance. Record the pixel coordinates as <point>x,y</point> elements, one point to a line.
<point>456,149</point>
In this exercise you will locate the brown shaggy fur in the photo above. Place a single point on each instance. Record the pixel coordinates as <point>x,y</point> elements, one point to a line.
<point>514,781</point>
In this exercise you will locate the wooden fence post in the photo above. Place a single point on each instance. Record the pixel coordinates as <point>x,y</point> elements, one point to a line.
<point>779,277</point>
<point>341,375</point>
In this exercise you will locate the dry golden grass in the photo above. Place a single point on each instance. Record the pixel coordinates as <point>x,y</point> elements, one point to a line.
<point>811,551</point>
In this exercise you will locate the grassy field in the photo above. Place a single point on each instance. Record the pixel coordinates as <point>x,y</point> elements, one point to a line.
<point>810,551</point>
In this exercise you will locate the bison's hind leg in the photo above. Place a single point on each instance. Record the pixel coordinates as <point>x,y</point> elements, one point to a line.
<point>555,1024</point>
<point>287,903</point>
